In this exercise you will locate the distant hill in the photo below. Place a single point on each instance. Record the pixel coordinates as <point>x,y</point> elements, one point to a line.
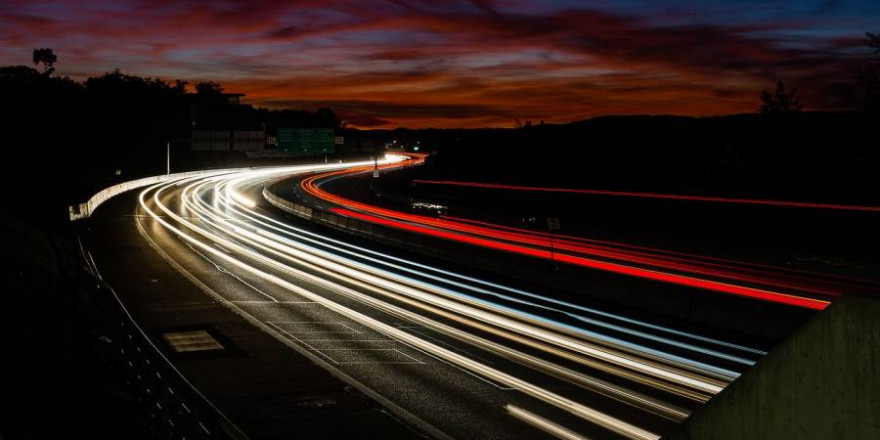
<point>811,155</point>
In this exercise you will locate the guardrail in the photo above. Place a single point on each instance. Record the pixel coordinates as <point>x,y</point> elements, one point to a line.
<point>172,406</point>
<point>85,210</point>
<point>286,205</point>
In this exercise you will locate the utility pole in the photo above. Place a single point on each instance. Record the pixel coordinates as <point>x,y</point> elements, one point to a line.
<point>553,224</point>
<point>168,157</point>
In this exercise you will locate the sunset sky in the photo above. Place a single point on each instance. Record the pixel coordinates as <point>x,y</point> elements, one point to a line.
<point>448,63</point>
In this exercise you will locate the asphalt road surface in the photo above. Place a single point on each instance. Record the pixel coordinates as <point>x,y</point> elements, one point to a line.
<point>453,355</point>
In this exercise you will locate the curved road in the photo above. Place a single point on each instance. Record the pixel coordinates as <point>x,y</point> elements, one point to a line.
<point>453,355</point>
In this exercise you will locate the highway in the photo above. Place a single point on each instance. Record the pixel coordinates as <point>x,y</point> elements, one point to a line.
<point>454,355</point>
<point>731,277</point>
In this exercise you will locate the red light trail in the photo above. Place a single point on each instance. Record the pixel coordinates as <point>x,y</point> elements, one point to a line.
<point>644,195</point>
<point>596,264</point>
<point>702,272</point>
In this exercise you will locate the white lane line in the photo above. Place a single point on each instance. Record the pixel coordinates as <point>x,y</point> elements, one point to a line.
<point>327,323</point>
<point>414,361</point>
<point>399,263</point>
<point>607,421</point>
<point>307,346</point>
<point>634,398</point>
<point>543,424</point>
<point>271,302</point>
<point>465,371</point>
<point>601,353</point>
<point>223,270</point>
<point>350,340</point>
<point>395,409</point>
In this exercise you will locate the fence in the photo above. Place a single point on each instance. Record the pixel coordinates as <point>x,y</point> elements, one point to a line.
<point>169,403</point>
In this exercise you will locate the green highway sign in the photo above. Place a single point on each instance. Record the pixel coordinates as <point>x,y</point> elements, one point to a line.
<point>324,141</point>
<point>305,141</point>
<point>284,139</point>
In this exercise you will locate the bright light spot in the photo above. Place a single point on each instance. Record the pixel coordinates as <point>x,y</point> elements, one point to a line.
<point>242,199</point>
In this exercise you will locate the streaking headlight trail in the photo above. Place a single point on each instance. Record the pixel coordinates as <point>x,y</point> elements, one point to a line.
<point>642,365</point>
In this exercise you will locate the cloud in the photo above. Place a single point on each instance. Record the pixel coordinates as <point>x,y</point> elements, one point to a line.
<point>448,62</point>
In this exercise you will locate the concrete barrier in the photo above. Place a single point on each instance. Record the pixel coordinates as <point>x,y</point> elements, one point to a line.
<point>768,321</point>
<point>823,382</point>
<point>85,210</point>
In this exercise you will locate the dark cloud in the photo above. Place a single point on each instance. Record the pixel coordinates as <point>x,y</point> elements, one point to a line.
<point>487,6</point>
<point>391,110</point>
<point>447,62</point>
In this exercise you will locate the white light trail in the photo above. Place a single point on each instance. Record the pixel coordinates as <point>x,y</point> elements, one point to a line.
<point>543,424</point>
<point>271,250</point>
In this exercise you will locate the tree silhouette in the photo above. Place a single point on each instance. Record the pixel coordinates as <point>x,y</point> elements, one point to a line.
<point>869,75</point>
<point>781,101</point>
<point>873,41</point>
<point>208,88</point>
<point>47,58</point>
<point>324,117</point>
<point>180,86</point>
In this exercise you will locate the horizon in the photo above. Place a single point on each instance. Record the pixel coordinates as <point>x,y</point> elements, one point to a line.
<point>463,64</point>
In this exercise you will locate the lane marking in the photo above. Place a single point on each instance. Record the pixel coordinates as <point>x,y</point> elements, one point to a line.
<point>396,410</point>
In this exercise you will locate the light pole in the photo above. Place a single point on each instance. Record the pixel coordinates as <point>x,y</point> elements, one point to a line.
<point>553,225</point>
<point>168,157</point>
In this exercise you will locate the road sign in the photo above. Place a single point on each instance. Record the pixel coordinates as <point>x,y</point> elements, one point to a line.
<point>284,138</point>
<point>324,141</point>
<point>553,224</point>
<point>305,141</point>
<point>339,140</point>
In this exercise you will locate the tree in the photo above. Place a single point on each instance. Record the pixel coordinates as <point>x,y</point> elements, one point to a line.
<point>208,88</point>
<point>47,58</point>
<point>869,76</point>
<point>180,86</point>
<point>873,41</point>
<point>781,101</point>
<point>324,117</point>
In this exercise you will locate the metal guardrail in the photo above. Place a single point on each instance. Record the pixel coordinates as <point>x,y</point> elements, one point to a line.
<point>173,407</point>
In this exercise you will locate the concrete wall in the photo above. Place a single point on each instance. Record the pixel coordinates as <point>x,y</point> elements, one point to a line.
<point>823,382</point>
<point>85,210</point>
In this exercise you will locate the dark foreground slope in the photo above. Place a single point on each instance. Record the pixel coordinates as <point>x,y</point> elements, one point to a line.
<point>56,381</point>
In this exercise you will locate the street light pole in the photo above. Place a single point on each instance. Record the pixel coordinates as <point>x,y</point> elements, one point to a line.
<point>168,157</point>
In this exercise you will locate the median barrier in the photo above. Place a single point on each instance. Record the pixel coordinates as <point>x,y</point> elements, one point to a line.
<point>767,321</point>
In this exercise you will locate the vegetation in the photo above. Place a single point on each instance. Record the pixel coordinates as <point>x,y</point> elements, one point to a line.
<point>208,88</point>
<point>780,101</point>
<point>47,58</point>
<point>869,76</point>
<point>73,136</point>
